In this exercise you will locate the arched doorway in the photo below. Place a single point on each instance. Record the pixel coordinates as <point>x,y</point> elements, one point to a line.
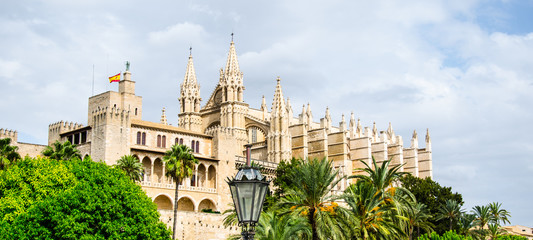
<point>158,170</point>
<point>185,204</point>
<point>163,202</point>
<point>147,165</point>
<point>202,173</point>
<point>207,204</point>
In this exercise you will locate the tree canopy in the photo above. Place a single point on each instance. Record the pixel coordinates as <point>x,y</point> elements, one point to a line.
<point>42,198</point>
<point>433,195</point>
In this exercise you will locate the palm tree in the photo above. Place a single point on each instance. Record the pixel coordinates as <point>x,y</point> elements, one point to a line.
<point>382,176</point>
<point>273,226</point>
<point>8,153</point>
<point>483,217</point>
<point>310,196</point>
<point>494,231</point>
<point>369,213</point>
<point>466,222</point>
<point>450,210</point>
<point>499,214</point>
<point>179,163</point>
<point>131,166</point>
<point>62,151</point>
<point>418,216</point>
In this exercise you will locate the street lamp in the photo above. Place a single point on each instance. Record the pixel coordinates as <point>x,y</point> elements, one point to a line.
<point>248,190</point>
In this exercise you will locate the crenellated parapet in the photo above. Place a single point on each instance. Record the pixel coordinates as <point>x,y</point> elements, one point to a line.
<point>7,133</point>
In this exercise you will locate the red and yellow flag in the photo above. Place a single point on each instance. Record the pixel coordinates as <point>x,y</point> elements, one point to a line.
<point>115,78</point>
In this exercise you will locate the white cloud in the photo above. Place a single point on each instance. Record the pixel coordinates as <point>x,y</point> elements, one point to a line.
<point>178,33</point>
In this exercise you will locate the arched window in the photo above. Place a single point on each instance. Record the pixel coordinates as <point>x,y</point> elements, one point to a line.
<point>138,138</point>
<point>144,139</point>
<point>158,140</point>
<point>192,146</point>
<point>164,141</point>
<point>197,146</point>
<point>177,141</point>
<point>181,141</point>
<point>254,135</point>
<point>193,180</point>
<point>135,111</point>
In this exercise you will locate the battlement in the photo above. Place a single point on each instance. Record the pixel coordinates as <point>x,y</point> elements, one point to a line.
<point>6,133</point>
<point>63,126</point>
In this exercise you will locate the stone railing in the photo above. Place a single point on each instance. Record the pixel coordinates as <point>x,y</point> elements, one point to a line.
<point>181,187</point>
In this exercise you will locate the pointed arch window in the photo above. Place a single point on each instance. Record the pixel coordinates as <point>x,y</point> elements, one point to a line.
<point>181,141</point>
<point>164,141</point>
<point>144,138</point>
<point>158,140</point>
<point>192,146</point>
<point>197,147</point>
<point>138,138</point>
<point>177,141</point>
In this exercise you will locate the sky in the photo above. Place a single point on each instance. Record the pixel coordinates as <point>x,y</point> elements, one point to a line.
<point>461,68</point>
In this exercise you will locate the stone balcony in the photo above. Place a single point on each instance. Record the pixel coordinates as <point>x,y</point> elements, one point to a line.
<point>181,187</point>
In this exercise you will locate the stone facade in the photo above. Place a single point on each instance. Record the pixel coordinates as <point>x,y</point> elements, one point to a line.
<point>217,133</point>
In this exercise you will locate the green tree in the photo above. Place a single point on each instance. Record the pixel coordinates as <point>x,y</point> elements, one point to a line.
<point>466,223</point>
<point>451,211</point>
<point>371,217</point>
<point>494,231</point>
<point>418,216</point>
<point>42,198</point>
<point>62,151</point>
<point>273,226</point>
<point>381,176</point>
<point>8,153</point>
<point>310,196</point>
<point>433,195</point>
<point>131,166</point>
<point>499,214</point>
<point>483,217</point>
<point>179,164</point>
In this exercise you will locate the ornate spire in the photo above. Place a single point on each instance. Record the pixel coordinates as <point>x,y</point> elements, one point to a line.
<point>278,105</point>
<point>342,124</point>
<point>163,117</point>
<point>190,90</point>
<point>359,130</point>
<point>328,115</point>
<point>414,140</point>
<point>375,131</point>
<point>232,64</point>
<point>428,140</point>
<point>390,132</point>
<point>263,103</point>
<point>352,122</point>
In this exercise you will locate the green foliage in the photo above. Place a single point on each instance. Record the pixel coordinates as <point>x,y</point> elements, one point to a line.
<point>309,195</point>
<point>451,211</point>
<point>449,235</point>
<point>433,195</point>
<point>62,151</point>
<point>510,237</point>
<point>131,166</point>
<point>44,198</point>
<point>273,226</point>
<point>209,210</point>
<point>8,153</point>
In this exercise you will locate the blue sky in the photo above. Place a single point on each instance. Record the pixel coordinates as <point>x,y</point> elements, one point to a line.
<point>461,68</point>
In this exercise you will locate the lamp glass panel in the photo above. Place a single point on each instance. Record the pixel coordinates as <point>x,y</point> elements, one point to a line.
<point>234,195</point>
<point>259,199</point>
<point>245,194</point>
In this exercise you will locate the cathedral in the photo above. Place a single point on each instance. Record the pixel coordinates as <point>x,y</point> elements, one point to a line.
<point>217,131</point>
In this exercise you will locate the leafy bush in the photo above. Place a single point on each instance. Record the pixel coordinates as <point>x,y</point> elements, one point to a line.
<point>49,199</point>
<point>449,235</point>
<point>511,237</point>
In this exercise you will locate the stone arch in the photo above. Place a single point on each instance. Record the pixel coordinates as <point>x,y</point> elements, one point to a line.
<point>213,124</point>
<point>147,165</point>
<point>163,202</point>
<point>202,175</point>
<point>158,170</point>
<point>260,134</point>
<point>211,177</point>
<point>186,204</point>
<point>207,203</point>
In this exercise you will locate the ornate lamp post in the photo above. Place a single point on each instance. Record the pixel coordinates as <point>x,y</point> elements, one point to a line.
<point>248,190</point>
